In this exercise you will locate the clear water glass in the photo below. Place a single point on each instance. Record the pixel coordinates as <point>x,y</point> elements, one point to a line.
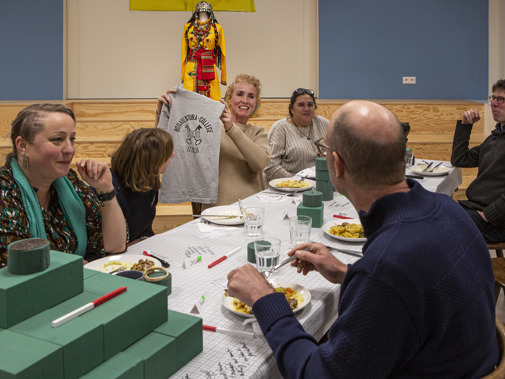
<point>267,252</point>
<point>299,229</point>
<point>253,221</point>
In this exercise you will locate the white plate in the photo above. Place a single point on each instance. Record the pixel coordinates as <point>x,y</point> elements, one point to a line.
<point>439,171</point>
<point>272,183</point>
<point>228,300</point>
<point>113,262</point>
<point>225,210</point>
<point>329,224</point>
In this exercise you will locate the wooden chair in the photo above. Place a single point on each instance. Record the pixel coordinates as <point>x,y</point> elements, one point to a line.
<point>499,275</point>
<point>498,247</point>
<point>499,371</point>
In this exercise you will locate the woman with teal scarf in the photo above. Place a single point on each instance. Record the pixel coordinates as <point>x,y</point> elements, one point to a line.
<point>41,197</point>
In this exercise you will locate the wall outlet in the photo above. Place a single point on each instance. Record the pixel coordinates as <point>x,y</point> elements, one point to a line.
<point>409,80</point>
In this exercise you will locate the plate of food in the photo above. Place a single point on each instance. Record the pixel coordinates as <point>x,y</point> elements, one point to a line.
<point>223,215</point>
<point>349,230</point>
<point>437,171</point>
<point>294,184</point>
<point>297,296</point>
<point>129,262</point>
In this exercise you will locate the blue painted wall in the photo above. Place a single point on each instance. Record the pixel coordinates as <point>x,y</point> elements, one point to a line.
<point>367,46</point>
<point>31,49</point>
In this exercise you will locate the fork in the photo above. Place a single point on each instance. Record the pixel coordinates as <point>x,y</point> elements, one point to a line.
<point>427,168</point>
<point>433,168</point>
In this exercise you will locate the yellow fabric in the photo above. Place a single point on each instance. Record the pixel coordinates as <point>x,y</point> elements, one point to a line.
<point>188,73</point>
<point>190,5</point>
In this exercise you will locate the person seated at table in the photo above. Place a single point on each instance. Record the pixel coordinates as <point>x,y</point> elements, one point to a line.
<point>136,168</point>
<point>486,194</point>
<point>41,197</point>
<point>419,303</point>
<point>244,150</point>
<point>292,139</point>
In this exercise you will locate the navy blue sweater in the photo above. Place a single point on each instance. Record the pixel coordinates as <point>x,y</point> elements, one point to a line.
<point>139,209</point>
<point>420,303</point>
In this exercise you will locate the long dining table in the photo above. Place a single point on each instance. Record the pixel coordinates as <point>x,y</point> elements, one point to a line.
<point>198,290</point>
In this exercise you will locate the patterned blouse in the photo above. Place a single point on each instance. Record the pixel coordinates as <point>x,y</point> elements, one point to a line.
<point>14,223</point>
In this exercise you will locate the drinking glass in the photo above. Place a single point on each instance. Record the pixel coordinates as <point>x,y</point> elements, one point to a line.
<point>299,229</point>
<point>253,220</point>
<point>267,252</point>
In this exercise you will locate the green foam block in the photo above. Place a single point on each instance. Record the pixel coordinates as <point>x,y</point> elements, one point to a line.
<point>188,333</point>
<point>81,339</point>
<point>159,354</point>
<point>129,316</point>
<point>120,366</point>
<point>23,296</point>
<point>25,357</point>
<point>317,214</point>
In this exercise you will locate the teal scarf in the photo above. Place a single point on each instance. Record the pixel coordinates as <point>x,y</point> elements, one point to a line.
<point>70,203</point>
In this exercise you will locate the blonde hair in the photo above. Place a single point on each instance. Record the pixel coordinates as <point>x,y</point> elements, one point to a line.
<point>247,79</point>
<point>139,158</point>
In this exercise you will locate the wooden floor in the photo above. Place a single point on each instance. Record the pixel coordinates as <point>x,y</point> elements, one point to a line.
<point>102,124</point>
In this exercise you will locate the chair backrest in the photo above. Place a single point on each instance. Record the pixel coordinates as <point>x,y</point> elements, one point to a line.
<point>499,371</point>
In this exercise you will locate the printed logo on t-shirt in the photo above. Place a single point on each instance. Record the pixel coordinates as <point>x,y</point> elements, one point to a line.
<point>193,126</point>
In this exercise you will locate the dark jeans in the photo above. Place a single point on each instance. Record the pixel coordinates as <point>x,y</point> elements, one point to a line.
<point>491,233</point>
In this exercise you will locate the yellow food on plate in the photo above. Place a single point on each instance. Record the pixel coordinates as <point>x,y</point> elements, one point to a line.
<point>292,296</point>
<point>291,184</point>
<point>141,265</point>
<point>347,230</point>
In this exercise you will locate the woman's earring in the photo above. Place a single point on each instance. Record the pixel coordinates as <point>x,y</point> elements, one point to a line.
<point>25,162</point>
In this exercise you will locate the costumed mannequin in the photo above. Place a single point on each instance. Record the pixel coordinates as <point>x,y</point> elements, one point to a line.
<point>203,49</point>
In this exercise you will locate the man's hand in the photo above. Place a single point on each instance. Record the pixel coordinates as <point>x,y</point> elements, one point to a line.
<point>482,215</point>
<point>318,258</point>
<point>248,285</point>
<point>470,117</point>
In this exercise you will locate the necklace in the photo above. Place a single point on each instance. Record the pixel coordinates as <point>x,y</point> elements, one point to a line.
<point>299,130</point>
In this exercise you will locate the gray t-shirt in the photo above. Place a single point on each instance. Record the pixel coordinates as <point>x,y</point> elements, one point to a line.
<point>193,121</point>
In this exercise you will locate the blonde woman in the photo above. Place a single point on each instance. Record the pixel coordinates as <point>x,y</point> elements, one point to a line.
<point>136,168</point>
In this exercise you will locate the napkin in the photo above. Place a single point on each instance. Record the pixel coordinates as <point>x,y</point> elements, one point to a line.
<point>271,198</point>
<point>308,172</point>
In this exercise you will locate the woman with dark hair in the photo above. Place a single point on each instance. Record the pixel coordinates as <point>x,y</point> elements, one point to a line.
<point>292,139</point>
<point>136,168</point>
<point>41,197</point>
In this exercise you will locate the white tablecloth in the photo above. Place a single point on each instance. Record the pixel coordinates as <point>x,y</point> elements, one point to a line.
<point>230,356</point>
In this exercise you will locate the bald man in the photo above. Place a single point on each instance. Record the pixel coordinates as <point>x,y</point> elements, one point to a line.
<point>420,303</point>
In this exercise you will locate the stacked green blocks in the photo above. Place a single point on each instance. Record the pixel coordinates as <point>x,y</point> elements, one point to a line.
<point>24,357</point>
<point>187,331</point>
<point>129,316</point>
<point>81,342</point>
<point>312,206</point>
<point>323,182</point>
<point>22,296</point>
<point>131,336</point>
<point>120,366</point>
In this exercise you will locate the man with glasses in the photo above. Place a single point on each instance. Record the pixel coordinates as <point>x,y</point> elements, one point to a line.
<point>420,301</point>
<point>486,194</point>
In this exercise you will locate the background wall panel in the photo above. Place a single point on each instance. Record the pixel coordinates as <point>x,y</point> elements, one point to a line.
<point>367,46</point>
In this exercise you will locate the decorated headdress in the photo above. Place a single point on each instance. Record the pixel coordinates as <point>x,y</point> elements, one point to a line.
<point>203,6</point>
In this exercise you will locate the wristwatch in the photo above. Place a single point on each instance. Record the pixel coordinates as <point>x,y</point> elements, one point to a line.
<point>103,197</point>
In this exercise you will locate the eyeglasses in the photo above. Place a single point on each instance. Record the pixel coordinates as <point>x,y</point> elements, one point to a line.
<point>499,99</point>
<point>321,146</point>
<point>301,91</point>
